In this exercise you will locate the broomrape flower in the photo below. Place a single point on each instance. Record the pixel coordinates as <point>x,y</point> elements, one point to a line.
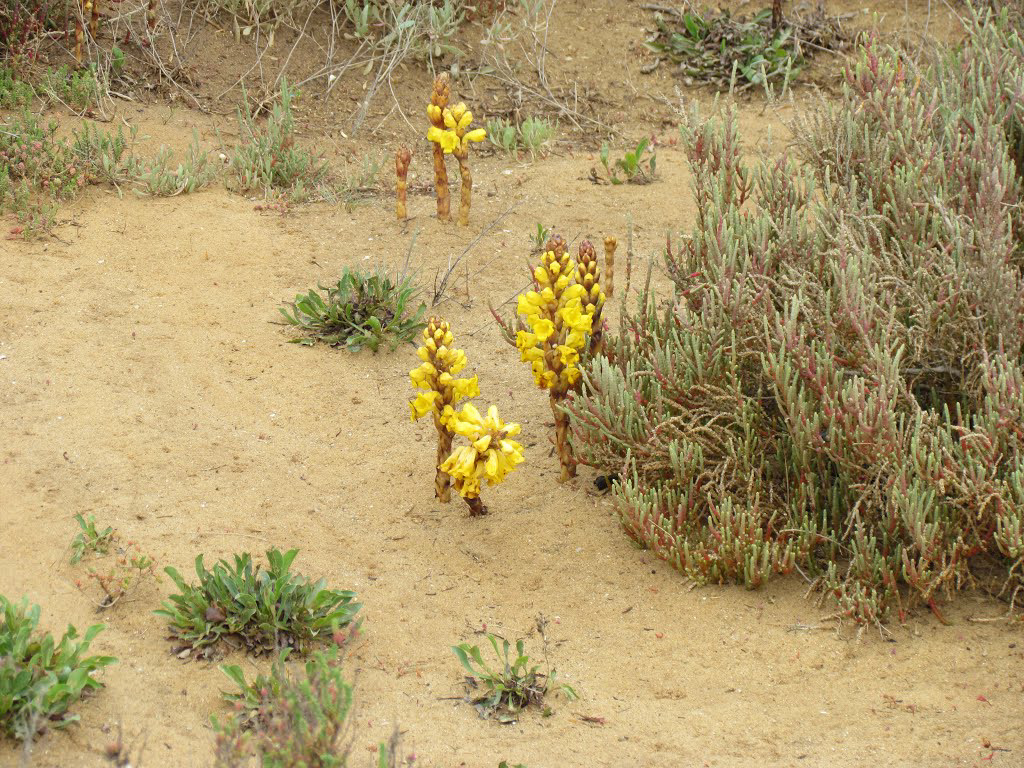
<point>557,319</point>
<point>448,140</point>
<point>437,374</point>
<point>491,454</point>
<point>439,96</point>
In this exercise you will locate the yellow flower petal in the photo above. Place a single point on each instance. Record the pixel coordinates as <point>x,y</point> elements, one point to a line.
<point>449,142</point>
<point>542,327</point>
<point>568,355</point>
<point>525,341</point>
<point>477,134</point>
<point>491,465</point>
<point>425,403</point>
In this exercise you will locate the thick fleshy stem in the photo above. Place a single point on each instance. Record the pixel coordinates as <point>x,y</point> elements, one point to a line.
<point>476,507</point>
<point>439,98</point>
<point>467,187</point>
<point>94,17</point>
<point>610,244</point>
<point>402,159</point>
<point>442,481</point>
<point>151,15</point>
<point>79,30</point>
<point>565,457</point>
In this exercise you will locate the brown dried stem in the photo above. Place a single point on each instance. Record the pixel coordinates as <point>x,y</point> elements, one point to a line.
<point>402,159</point>
<point>476,507</point>
<point>467,186</point>
<point>442,481</point>
<point>79,30</point>
<point>565,455</point>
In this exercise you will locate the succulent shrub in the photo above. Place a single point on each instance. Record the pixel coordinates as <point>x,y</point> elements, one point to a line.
<point>837,382</point>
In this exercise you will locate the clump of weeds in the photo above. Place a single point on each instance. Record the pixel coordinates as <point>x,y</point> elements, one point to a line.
<point>268,161</point>
<point>633,166</point>
<point>364,309</point>
<point>532,135</point>
<point>41,678</point>
<point>294,715</point>
<point>514,684</point>
<point>264,608</point>
<point>129,569</point>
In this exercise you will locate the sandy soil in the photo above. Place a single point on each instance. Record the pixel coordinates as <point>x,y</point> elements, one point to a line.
<point>145,382</point>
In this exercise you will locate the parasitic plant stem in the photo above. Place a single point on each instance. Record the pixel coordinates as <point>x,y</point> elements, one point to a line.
<point>402,159</point>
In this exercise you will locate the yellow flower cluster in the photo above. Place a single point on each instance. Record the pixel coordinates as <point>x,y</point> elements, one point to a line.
<point>455,136</point>
<point>588,275</point>
<point>558,323</point>
<point>490,455</point>
<point>436,375</point>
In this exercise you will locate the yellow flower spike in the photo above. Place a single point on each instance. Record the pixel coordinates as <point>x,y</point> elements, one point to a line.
<point>588,276</point>
<point>439,96</point>
<point>491,454</point>
<point>437,375</point>
<point>559,316</point>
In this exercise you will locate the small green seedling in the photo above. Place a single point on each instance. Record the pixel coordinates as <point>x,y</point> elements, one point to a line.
<point>90,540</point>
<point>635,169</point>
<point>539,237</point>
<point>514,686</point>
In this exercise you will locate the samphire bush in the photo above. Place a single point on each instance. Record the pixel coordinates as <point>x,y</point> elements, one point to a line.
<point>837,383</point>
